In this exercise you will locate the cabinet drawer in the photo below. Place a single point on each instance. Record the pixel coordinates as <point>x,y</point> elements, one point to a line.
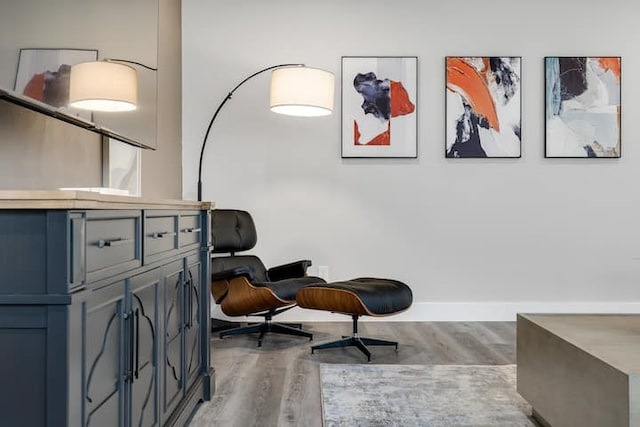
<point>160,236</point>
<point>113,243</point>
<point>190,229</point>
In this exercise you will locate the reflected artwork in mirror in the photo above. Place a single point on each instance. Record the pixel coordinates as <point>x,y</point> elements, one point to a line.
<point>43,75</point>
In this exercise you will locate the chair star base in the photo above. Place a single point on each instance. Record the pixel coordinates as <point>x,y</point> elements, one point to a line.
<point>218,325</point>
<point>266,327</point>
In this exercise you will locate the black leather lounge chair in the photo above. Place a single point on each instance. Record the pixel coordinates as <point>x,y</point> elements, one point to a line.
<point>241,284</point>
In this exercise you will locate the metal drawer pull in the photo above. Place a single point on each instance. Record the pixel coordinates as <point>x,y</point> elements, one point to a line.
<point>161,234</point>
<point>115,242</point>
<point>192,230</point>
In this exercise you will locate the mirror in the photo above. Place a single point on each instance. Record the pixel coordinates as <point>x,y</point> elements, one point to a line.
<point>39,39</point>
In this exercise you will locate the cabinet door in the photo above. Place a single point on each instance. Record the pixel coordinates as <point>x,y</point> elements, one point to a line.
<point>192,315</point>
<point>173,326</point>
<point>23,367</point>
<point>104,362</point>
<point>145,290</point>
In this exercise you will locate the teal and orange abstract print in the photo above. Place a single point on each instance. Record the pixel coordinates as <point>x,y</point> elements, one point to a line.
<point>582,107</point>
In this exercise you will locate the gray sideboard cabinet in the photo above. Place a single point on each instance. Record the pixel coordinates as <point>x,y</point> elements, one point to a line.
<point>104,310</point>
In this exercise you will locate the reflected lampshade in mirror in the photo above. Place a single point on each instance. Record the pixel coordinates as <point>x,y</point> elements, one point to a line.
<point>103,86</point>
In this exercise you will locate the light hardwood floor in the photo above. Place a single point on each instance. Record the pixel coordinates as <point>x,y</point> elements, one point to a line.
<point>278,384</point>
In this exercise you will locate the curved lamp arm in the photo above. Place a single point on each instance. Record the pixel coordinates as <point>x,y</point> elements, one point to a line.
<point>224,101</point>
<point>130,62</point>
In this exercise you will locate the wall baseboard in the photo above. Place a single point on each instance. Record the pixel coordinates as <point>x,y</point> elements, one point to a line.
<point>459,311</point>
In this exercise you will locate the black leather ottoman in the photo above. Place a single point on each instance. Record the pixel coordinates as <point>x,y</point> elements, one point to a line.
<point>358,297</point>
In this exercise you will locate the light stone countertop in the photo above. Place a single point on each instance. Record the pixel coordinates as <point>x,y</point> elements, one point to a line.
<point>72,199</point>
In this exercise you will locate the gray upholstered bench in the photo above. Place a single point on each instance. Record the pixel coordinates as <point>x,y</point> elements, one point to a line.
<point>358,297</point>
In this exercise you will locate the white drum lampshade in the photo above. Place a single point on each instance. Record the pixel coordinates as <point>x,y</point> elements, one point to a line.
<point>103,86</point>
<point>302,91</point>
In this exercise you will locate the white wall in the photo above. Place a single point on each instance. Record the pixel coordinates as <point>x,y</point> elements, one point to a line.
<point>475,239</point>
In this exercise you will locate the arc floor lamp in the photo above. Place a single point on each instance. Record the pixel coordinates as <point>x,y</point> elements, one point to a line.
<point>296,90</point>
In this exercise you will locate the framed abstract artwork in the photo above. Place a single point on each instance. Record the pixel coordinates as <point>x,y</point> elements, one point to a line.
<point>379,106</point>
<point>483,106</point>
<point>582,106</point>
<point>43,75</point>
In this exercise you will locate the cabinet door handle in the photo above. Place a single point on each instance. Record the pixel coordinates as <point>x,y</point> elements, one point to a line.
<point>191,230</point>
<point>190,299</point>
<point>137,371</point>
<point>128,318</point>
<point>190,302</point>
<point>114,242</point>
<point>187,302</point>
<point>162,234</point>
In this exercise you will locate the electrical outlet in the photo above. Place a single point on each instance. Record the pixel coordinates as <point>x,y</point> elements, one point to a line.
<point>323,272</point>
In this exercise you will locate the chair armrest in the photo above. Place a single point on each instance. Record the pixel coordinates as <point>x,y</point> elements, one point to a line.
<point>288,271</point>
<point>233,273</point>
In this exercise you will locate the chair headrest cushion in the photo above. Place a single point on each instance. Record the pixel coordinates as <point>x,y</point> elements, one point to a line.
<point>232,230</point>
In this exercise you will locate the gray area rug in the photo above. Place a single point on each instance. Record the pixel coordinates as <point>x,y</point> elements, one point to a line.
<point>422,395</point>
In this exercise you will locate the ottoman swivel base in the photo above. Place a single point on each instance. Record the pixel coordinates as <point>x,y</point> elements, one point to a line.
<point>355,341</point>
<point>357,297</point>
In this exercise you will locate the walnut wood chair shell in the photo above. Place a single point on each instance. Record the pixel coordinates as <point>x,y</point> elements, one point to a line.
<point>242,298</point>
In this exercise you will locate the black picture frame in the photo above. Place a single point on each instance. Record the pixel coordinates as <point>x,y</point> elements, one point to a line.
<point>395,74</point>
<point>565,90</point>
<point>501,116</point>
